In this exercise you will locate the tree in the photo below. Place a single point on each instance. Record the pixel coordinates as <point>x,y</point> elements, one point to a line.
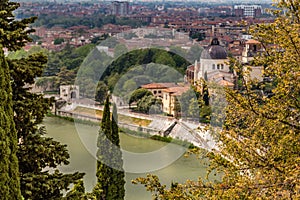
<point>185,101</point>
<point>139,94</point>
<point>13,35</point>
<point>205,108</point>
<point>101,92</point>
<point>65,77</point>
<point>110,174</point>
<point>166,59</point>
<point>58,41</point>
<point>194,108</point>
<point>35,152</point>
<point>9,177</point>
<point>259,148</point>
<point>119,175</point>
<point>149,104</point>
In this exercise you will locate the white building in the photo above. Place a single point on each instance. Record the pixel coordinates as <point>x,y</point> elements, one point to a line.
<point>248,10</point>
<point>212,66</point>
<point>69,92</point>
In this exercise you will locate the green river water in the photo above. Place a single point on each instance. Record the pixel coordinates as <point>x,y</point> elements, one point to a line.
<point>167,161</point>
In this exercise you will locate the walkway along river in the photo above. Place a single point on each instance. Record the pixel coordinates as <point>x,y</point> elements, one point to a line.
<point>161,125</point>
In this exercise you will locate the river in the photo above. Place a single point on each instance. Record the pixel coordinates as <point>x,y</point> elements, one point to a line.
<point>167,160</point>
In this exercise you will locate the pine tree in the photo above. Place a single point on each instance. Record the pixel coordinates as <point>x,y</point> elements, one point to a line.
<point>9,176</point>
<point>110,175</point>
<point>14,34</point>
<point>35,151</point>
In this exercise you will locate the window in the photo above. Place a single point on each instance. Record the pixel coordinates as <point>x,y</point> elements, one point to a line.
<point>154,92</point>
<point>213,66</point>
<point>218,66</point>
<point>222,66</point>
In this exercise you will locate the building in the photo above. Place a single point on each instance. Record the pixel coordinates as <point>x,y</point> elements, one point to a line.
<point>212,66</point>
<point>252,48</point>
<point>247,10</point>
<point>69,92</point>
<point>170,100</point>
<point>169,93</point>
<point>157,88</point>
<point>120,8</point>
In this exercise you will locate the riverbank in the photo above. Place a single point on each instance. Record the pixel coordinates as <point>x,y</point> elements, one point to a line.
<point>141,134</point>
<point>163,126</point>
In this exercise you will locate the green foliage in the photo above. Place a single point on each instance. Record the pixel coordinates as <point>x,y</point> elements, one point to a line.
<point>36,152</point>
<point>149,104</point>
<point>65,77</point>
<point>9,176</point>
<point>110,42</point>
<point>58,41</point>
<point>69,57</point>
<point>101,92</point>
<point>135,68</point>
<point>199,36</point>
<point>46,83</point>
<point>110,174</point>
<point>139,94</point>
<point>77,193</point>
<point>146,56</point>
<point>14,34</point>
<point>179,51</point>
<point>258,146</point>
<point>187,103</point>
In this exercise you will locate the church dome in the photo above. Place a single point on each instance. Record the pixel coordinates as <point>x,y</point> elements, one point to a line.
<point>214,51</point>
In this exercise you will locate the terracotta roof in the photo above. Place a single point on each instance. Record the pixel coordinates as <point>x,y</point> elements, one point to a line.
<point>191,68</point>
<point>226,83</point>
<point>176,91</point>
<point>158,85</point>
<point>251,41</point>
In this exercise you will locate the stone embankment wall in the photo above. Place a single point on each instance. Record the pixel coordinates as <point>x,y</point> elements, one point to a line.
<point>98,119</point>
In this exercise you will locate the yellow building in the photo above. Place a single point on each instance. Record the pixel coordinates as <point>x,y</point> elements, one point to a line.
<point>170,99</point>
<point>156,88</point>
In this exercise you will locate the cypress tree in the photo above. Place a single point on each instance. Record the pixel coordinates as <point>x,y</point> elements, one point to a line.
<point>118,172</point>
<point>13,36</point>
<point>103,171</point>
<point>110,175</point>
<point>205,94</point>
<point>9,176</point>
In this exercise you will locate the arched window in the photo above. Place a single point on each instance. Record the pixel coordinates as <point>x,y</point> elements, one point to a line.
<point>218,66</point>
<point>222,66</point>
<point>213,66</point>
